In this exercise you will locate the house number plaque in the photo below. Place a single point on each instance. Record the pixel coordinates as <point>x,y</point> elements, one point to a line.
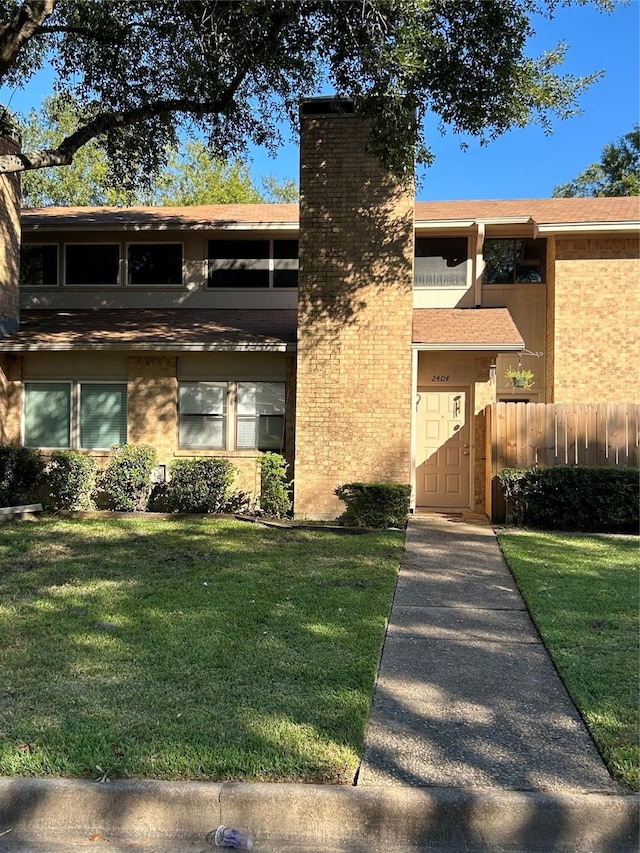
<point>440,377</point>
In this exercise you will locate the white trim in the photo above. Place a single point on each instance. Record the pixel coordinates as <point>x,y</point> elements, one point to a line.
<point>466,346</point>
<point>627,227</point>
<point>149,347</point>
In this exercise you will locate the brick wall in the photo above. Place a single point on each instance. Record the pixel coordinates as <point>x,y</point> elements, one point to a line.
<point>354,317</point>
<point>9,243</point>
<point>10,398</point>
<point>152,403</point>
<point>596,321</point>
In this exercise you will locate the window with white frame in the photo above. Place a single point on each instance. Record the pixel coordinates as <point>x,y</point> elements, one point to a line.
<point>260,415</point>
<point>202,414</point>
<point>154,264</point>
<point>252,263</point>
<point>231,415</point>
<point>98,409</point>
<point>91,264</point>
<point>39,265</point>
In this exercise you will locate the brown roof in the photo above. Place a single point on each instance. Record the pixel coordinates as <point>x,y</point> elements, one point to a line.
<point>198,216</point>
<point>466,328</point>
<point>174,329</point>
<point>541,210</point>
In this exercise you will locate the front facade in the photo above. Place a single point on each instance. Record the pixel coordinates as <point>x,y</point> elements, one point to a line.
<point>361,335</point>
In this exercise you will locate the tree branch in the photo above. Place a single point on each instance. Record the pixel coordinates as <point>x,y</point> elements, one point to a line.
<point>20,29</point>
<point>105,122</point>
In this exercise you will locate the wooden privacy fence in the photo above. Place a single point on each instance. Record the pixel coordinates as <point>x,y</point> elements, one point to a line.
<point>523,434</point>
<point>546,434</point>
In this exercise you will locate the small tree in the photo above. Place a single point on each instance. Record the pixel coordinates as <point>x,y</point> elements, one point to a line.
<point>70,480</point>
<point>275,491</point>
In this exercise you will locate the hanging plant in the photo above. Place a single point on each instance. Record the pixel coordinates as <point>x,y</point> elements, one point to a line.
<point>520,378</point>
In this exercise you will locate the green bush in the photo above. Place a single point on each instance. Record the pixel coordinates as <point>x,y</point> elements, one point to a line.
<point>125,483</point>
<point>275,495</point>
<point>374,504</point>
<point>70,480</point>
<point>21,474</point>
<point>579,497</point>
<point>200,485</point>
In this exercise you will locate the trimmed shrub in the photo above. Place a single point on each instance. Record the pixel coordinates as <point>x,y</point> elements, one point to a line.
<point>275,491</point>
<point>200,485</point>
<point>125,483</point>
<point>21,475</point>
<point>70,480</point>
<point>579,497</point>
<point>374,504</point>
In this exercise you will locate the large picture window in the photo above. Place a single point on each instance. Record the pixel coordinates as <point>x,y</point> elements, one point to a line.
<point>253,263</point>
<point>440,262</point>
<point>100,413</point>
<point>92,264</point>
<point>514,260</point>
<point>154,264</point>
<point>38,265</point>
<point>202,414</point>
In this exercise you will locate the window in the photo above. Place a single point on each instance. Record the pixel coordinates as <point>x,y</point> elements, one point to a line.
<point>92,264</point>
<point>512,261</point>
<point>202,414</point>
<point>260,415</point>
<point>47,414</point>
<point>101,414</point>
<point>214,415</point>
<point>38,265</point>
<point>253,263</point>
<point>154,263</point>
<point>440,262</point>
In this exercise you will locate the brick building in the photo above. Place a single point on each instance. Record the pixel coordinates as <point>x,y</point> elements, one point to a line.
<point>361,334</point>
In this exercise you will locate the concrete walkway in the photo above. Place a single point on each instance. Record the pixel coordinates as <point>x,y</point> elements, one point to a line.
<point>467,695</point>
<point>472,745</point>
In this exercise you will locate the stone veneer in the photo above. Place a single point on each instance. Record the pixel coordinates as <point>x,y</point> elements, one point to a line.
<point>354,315</point>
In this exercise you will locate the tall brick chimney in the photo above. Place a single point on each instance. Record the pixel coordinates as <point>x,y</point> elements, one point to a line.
<point>354,313</point>
<point>9,243</point>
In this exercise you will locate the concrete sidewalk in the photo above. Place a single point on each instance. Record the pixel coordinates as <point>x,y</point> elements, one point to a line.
<point>472,745</point>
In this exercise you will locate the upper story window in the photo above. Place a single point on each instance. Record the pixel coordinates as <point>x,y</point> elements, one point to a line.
<point>440,262</point>
<point>38,265</point>
<point>154,264</point>
<point>514,260</point>
<point>253,263</point>
<point>91,264</point>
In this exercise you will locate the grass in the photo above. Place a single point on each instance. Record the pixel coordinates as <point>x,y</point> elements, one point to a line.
<point>582,592</point>
<point>188,648</point>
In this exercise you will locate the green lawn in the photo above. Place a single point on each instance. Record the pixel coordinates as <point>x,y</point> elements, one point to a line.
<point>583,594</point>
<point>188,648</point>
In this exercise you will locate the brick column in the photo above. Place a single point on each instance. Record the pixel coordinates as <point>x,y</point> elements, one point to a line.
<point>9,243</point>
<point>353,408</point>
<point>152,401</point>
<point>10,397</point>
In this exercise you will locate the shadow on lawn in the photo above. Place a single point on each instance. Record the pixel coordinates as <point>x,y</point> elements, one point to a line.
<point>189,649</point>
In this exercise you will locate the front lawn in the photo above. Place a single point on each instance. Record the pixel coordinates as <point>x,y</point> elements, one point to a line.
<point>188,648</point>
<point>582,592</point>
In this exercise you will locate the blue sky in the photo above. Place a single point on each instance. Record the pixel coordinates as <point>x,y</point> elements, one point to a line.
<point>523,163</point>
<point>527,163</point>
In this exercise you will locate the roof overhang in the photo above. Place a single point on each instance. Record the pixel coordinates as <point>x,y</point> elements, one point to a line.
<point>465,330</point>
<point>591,228</point>
<point>467,346</point>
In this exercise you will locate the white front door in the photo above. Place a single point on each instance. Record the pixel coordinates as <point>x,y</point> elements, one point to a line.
<point>443,448</point>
